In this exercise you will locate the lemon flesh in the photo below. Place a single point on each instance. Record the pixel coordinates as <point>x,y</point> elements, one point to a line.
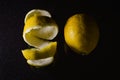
<point>81,33</point>
<point>39,31</point>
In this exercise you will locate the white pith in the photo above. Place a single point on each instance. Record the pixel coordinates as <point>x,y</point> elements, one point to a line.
<point>41,62</point>
<point>42,13</point>
<point>41,38</point>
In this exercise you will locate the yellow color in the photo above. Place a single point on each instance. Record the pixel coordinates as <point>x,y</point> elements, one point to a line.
<point>39,31</point>
<point>81,33</point>
<point>44,52</point>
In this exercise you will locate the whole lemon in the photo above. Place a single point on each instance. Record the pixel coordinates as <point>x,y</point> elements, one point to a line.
<point>81,33</point>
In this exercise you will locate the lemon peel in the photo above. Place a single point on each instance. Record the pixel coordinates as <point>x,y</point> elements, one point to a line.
<point>39,30</point>
<point>41,62</point>
<point>38,12</point>
<point>39,53</point>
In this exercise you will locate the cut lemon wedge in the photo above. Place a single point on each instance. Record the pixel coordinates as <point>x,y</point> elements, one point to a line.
<point>39,31</point>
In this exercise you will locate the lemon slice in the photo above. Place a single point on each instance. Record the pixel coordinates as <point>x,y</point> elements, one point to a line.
<point>39,31</point>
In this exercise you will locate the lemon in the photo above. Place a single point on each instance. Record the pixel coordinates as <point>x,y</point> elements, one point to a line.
<point>81,33</point>
<point>39,31</point>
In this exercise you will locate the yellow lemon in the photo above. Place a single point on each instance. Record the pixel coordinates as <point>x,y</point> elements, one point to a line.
<point>81,33</point>
<point>39,31</point>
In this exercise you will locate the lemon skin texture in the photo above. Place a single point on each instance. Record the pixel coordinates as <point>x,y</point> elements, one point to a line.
<point>81,33</point>
<point>39,31</point>
<point>45,52</point>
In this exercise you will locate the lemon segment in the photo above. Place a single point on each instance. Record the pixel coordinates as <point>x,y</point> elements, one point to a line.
<point>81,33</point>
<point>44,52</point>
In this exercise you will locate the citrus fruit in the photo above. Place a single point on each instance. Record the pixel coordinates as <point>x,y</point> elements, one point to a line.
<point>39,31</point>
<point>81,33</point>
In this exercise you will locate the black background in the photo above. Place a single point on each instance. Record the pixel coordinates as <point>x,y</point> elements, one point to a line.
<point>67,64</point>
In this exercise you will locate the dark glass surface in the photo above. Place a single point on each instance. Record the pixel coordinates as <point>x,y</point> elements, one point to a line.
<point>67,64</point>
